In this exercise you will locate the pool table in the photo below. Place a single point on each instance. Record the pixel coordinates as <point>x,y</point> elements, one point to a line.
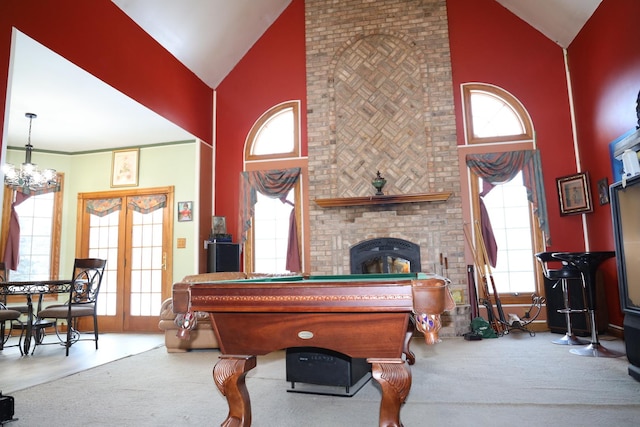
<point>360,315</point>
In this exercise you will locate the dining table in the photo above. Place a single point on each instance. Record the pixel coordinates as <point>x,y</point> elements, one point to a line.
<point>29,289</point>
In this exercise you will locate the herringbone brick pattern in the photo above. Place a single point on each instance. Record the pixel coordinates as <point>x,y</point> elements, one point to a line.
<point>379,124</point>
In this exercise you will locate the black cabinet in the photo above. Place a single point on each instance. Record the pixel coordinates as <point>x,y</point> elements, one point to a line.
<point>223,256</point>
<point>580,324</point>
<point>322,371</point>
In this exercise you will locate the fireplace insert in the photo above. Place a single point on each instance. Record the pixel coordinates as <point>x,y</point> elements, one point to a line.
<point>385,255</point>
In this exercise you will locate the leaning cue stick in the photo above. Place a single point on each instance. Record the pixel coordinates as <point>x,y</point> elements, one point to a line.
<point>481,271</point>
<point>493,283</point>
<point>485,287</point>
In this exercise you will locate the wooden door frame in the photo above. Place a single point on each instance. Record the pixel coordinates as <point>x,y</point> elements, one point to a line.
<point>82,249</point>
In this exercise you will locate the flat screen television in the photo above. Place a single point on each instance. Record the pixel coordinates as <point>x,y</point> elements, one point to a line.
<point>625,209</point>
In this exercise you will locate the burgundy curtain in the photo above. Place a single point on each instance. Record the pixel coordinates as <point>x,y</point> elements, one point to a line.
<point>293,250</point>
<point>275,184</point>
<point>12,250</point>
<point>485,226</point>
<point>499,168</point>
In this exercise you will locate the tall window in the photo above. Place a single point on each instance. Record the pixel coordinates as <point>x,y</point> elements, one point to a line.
<point>496,122</point>
<point>510,217</point>
<point>40,219</point>
<point>36,223</point>
<point>273,144</point>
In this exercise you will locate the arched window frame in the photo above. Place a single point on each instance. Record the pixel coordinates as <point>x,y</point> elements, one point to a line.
<point>469,89</point>
<point>56,226</point>
<point>274,161</point>
<point>294,106</point>
<point>497,144</point>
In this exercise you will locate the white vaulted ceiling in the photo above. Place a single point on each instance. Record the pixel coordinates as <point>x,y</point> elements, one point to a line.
<point>78,112</point>
<point>559,20</point>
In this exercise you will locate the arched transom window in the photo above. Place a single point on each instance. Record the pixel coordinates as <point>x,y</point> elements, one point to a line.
<point>494,115</point>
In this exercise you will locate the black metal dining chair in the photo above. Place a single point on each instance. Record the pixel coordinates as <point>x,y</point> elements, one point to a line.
<point>22,308</point>
<point>83,297</point>
<point>9,317</point>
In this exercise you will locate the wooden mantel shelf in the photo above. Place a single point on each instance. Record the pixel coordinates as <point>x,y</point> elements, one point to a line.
<point>382,200</point>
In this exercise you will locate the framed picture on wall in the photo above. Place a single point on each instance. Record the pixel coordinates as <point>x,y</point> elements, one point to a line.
<point>574,194</point>
<point>603,191</point>
<point>124,168</point>
<point>185,211</point>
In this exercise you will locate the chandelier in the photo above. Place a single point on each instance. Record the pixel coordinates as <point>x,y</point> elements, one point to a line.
<point>27,178</point>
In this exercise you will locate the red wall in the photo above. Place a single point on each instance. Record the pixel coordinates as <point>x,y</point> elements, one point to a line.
<point>491,45</point>
<point>273,71</point>
<point>488,44</point>
<point>98,37</point>
<point>605,70</point>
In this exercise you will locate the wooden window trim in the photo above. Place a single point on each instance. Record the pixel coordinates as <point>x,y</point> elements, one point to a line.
<point>251,137</point>
<point>518,108</point>
<point>56,229</point>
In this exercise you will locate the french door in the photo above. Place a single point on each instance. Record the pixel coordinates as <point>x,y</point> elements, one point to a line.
<point>132,230</point>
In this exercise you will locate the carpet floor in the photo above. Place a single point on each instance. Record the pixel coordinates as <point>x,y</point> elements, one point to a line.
<point>515,379</point>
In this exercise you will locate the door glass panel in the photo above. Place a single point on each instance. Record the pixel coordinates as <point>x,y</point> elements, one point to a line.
<point>103,243</point>
<point>146,260</point>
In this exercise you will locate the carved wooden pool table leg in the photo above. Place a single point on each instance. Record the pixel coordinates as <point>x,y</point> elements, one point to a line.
<point>229,374</point>
<point>394,377</point>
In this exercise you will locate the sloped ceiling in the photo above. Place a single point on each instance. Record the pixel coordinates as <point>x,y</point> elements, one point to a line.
<point>559,20</point>
<point>209,37</point>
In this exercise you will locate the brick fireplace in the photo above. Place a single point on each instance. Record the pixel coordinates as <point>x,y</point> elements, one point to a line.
<point>380,98</point>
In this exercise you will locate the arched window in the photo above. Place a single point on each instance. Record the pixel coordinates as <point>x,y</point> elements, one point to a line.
<point>276,134</point>
<point>494,115</point>
<point>274,181</point>
<point>507,200</point>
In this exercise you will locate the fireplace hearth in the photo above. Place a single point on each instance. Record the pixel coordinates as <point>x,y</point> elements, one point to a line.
<point>385,255</point>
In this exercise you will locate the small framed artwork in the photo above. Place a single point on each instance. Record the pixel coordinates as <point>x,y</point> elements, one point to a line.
<point>574,194</point>
<point>603,191</point>
<point>218,225</point>
<point>124,168</point>
<point>185,211</point>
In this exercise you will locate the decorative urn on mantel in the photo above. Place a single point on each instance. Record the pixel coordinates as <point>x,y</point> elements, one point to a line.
<point>379,183</point>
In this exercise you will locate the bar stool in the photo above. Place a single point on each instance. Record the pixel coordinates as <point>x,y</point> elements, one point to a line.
<point>562,275</point>
<point>588,263</point>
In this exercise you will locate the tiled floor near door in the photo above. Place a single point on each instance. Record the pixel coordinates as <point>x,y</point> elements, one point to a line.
<point>49,362</point>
